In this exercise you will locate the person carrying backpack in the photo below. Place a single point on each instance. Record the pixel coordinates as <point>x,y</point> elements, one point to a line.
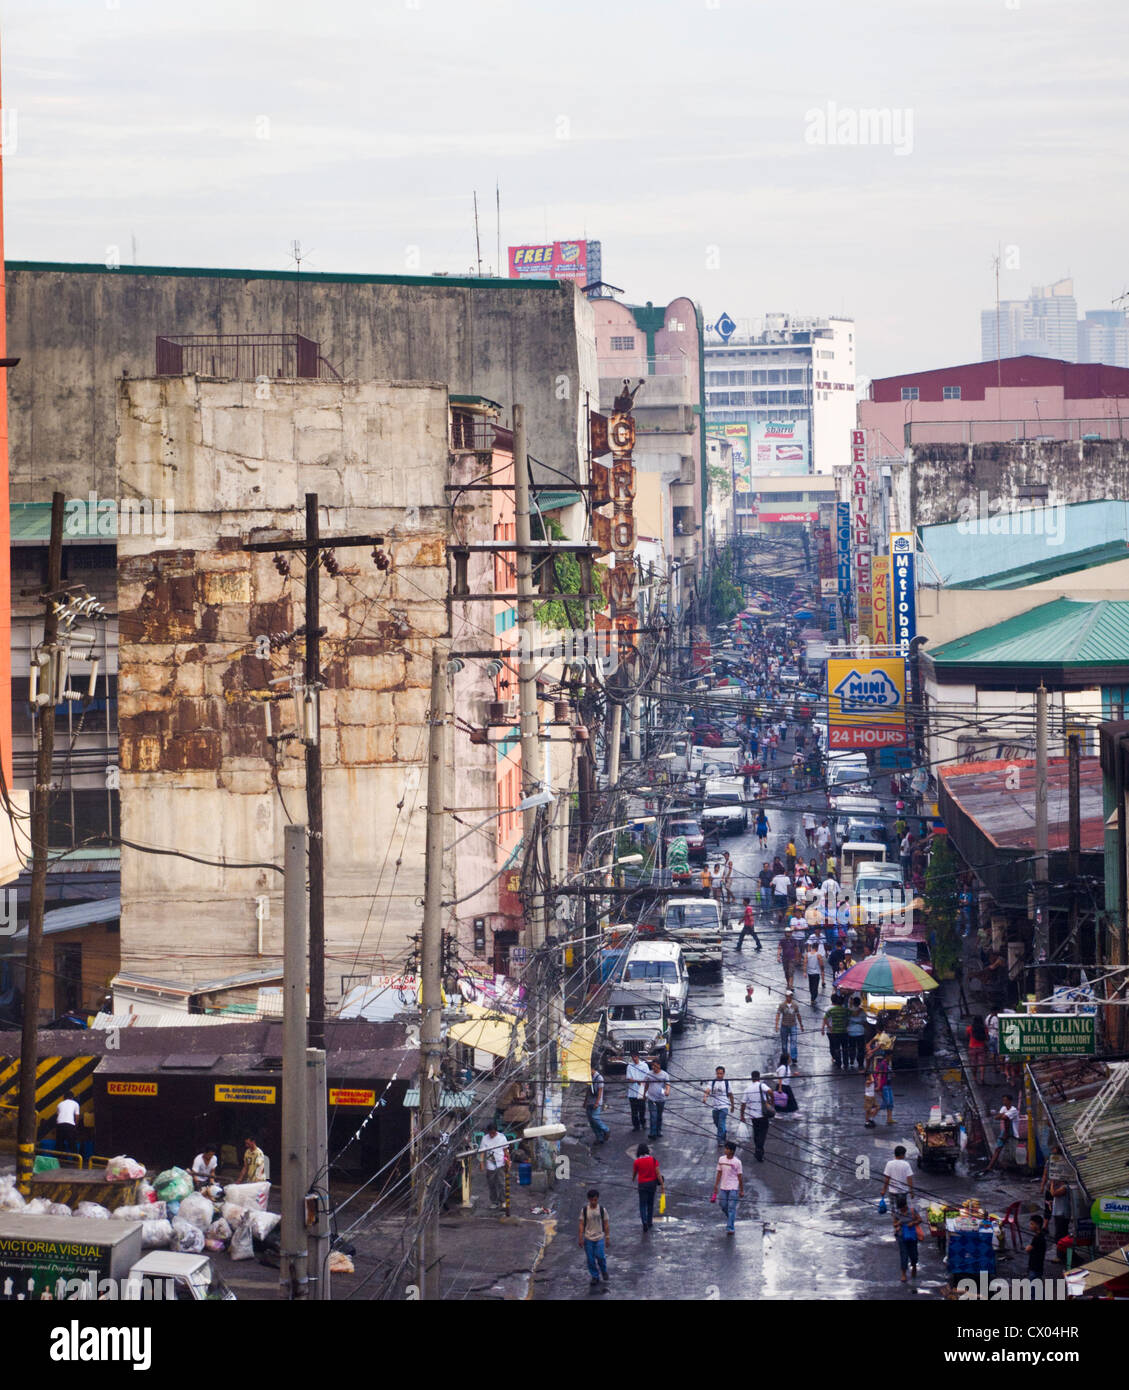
<point>594,1104</point>
<point>594,1237</point>
<point>757,1111</point>
<point>720,1098</point>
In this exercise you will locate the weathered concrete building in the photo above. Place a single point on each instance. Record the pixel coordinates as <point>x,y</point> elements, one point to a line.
<point>200,773</point>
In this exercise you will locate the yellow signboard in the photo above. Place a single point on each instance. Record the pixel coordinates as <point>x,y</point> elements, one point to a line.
<point>866,700</point>
<point>880,598</point>
<point>342,1096</point>
<point>245,1095</point>
<point>131,1088</point>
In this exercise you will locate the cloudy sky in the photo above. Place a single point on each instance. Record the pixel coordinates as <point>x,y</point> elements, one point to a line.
<point>689,136</point>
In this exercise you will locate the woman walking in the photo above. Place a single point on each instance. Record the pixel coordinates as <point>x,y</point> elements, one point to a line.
<point>907,1232</point>
<point>762,828</point>
<point>977,1034</point>
<point>645,1171</point>
<point>784,1074</point>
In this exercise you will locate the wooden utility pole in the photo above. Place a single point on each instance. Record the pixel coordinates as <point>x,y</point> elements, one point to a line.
<point>1074,817</point>
<point>1042,867</point>
<point>312,545</point>
<point>293,1281</point>
<point>431,968</point>
<point>27,1124</point>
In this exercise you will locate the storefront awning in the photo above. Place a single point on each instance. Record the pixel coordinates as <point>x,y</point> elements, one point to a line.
<point>489,1031</point>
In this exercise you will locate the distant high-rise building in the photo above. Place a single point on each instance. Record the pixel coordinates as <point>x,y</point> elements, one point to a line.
<point>1103,336</point>
<point>1045,324</point>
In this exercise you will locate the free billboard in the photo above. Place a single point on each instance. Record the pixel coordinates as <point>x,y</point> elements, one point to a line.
<point>555,260</point>
<point>866,701</point>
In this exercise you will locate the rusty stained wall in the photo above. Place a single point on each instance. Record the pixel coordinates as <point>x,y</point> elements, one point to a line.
<point>196,765</point>
<point>943,474</point>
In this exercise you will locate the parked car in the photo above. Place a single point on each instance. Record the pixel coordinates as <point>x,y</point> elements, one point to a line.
<point>725,807</point>
<point>635,1022</point>
<point>657,969</point>
<point>691,832</point>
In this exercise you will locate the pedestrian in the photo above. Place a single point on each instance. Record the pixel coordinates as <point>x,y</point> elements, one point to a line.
<point>707,879</point>
<point>897,1176</point>
<point>637,1075</point>
<point>835,1027</point>
<point>869,1099</point>
<point>748,926</point>
<point>727,877</point>
<point>494,1159</point>
<point>908,1233</point>
<point>594,1237</point>
<point>656,1091</point>
<point>977,1035</point>
<point>757,1110</point>
<point>823,838</point>
<point>1057,1190</point>
<point>764,884</point>
<point>881,1072</point>
<point>66,1124</point>
<point>790,857</point>
<point>594,1104</point>
<point>784,1074</point>
<point>254,1163</point>
<point>1007,1121</point>
<point>787,953</point>
<point>204,1166</point>
<point>992,1024</point>
<point>762,828</point>
<point>1036,1251</point>
<point>813,964</point>
<point>787,1021</point>
<point>645,1171</point>
<point>729,1184</point>
<point>906,852</point>
<point>719,1097</point>
<point>780,885</point>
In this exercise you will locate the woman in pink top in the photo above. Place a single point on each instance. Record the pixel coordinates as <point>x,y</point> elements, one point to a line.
<point>730,1182</point>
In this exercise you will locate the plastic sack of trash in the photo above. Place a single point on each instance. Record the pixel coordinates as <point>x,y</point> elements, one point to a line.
<point>124,1169</point>
<point>262,1223</point>
<point>156,1235</point>
<point>220,1230</point>
<point>173,1184</point>
<point>197,1210</point>
<point>37,1207</point>
<point>142,1213</point>
<point>11,1200</point>
<point>248,1194</point>
<point>232,1214</point>
<point>215,1246</point>
<point>92,1209</point>
<point>188,1239</point>
<point>340,1263</point>
<point>242,1245</point>
<point>58,1209</point>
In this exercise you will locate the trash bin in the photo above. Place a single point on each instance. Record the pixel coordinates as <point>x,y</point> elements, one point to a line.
<point>524,1174</point>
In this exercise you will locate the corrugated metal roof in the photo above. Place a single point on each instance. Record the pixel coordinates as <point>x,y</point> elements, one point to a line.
<point>31,523</point>
<point>549,499</point>
<point>450,1100</point>
<point>1053,567</point>
<point>1066,632</point>
<point>1067,1088</point>
<point>77,915</point>
<point>1006,813</point>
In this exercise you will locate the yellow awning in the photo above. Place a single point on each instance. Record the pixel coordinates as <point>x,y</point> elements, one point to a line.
<point>577,1042</point>
<point>490,1031</point>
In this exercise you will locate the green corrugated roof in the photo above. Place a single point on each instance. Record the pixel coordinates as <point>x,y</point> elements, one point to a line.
<point>1067,632</point>
<point>550,499</point>
<point>31,521</point>
<point>1051,568</point>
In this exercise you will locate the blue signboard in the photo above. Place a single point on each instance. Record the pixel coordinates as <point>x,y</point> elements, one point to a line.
<point>843,551</point>
<point>903,597</point>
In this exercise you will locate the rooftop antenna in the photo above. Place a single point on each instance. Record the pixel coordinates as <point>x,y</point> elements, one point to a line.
<point>296,257</point>
<point>999,374</point>
<point>477,242</point>
<point>498,221</point>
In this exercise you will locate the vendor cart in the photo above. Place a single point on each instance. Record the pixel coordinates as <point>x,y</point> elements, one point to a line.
<point>938,1143</point>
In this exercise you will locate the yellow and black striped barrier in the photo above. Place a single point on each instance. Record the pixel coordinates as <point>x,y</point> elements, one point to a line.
<point>54,1077</point>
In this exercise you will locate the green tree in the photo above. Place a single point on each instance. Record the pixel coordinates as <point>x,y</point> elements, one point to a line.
<point>724,596</point>
<point>942,903</point>
<point>720,479</point>
<point>560,612</point>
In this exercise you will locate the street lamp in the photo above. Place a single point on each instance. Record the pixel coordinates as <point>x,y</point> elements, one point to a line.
<point>603,868</point>
<point>527,803</point>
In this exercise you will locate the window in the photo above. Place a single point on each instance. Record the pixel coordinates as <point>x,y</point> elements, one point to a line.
<point>623,344</point>
<point>950,393</point>
<point>910,393</point>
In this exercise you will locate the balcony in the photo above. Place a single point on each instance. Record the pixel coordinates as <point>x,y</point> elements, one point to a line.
<point>242,356</point>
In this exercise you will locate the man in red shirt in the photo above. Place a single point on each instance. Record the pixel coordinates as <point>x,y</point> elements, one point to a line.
<point>748,926</point>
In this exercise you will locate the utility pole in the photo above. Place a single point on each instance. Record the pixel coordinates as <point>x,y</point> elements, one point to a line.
<point>27,1124</point>
<point>431,965</point>
<point>1074,819</point>
<point>293,1281</point>
<point>310,734</point>
<point>527,671</point>
<point>1042,868</point>
<point>317,1165</point>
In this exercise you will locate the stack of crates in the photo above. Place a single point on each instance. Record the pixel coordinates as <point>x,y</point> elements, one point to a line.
<point>969,1252</point>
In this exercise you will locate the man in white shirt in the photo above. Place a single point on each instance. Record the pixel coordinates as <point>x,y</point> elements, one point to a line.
<point>494,1159</point>
<point>66,1124</point>
<point>809,823</point>
<point>898,1174</point>
<point>1007,1118</point>
<point>757,1110</point>
<point>823,838</point>
<point>829,896</point>
<point>637,1075</point>
<point>204,1167</point>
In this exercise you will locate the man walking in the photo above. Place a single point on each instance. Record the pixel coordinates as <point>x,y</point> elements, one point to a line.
<point>594,1237</point>
<point>786,954</point>
<point>494,1159</point>
<point>729,1184</point>
<point>813,964</point>
<point>1007,1118</point>
<point>787,1021</point>
<point>809,827</point>
<point>748,926</point>
<point>757,1111</point>
<point>823,839</point>
<point>719,1097</point>
<point>594,1104</point>
<point>834,1027</point>
<point>66,1124</point>
<point>897,1176</point>
<point>637,1075</point>
<point>656,1090</point>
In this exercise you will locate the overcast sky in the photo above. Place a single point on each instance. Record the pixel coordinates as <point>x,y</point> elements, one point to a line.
<point>680,133</point>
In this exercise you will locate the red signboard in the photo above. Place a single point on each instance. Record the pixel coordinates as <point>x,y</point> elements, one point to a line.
<point>552,260</point>
<point>787,516</point>
<point>868,736</point>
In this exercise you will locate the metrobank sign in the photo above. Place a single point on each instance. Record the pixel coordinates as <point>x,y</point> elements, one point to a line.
<point>866,702</point>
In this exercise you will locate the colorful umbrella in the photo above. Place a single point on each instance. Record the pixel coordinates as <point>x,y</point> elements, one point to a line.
<point>883,974</point>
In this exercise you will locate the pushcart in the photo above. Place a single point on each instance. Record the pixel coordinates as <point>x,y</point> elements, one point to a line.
<point>938,1142</point>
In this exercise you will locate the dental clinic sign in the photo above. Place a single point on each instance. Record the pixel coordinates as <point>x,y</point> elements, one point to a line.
<point>1043,1035</point>
<point>903,589</point>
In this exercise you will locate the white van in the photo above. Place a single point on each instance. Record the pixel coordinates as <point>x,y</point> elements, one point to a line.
<point>655,968</point>
<point>847,774</point>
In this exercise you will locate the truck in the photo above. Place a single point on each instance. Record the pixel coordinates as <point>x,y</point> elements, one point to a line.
<point>724,807</point>
<point>75,1257</point>
<point>695,923</point>
<point>657,968</point>
<point>635,1022</point>
<point>711,761</point>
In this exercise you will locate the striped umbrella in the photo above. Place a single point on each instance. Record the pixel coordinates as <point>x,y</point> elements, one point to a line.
<point>883,974</point>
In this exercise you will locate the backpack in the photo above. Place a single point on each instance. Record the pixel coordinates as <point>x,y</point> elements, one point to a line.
<point>713,1091</point>
<point>593,1092</point>
<point>583,1216</point>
